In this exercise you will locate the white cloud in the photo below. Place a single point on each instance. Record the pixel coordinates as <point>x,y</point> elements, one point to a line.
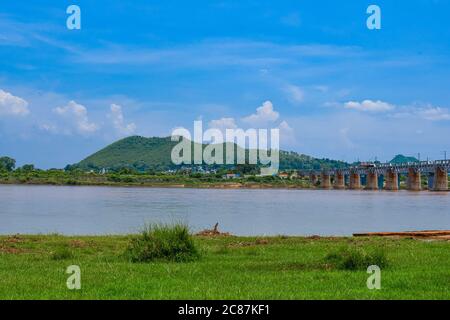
<point>287,136</point>
<point>434,113</point>
<point>211,52</point>
<point>369,106</point>
<point>77,116</point>
<point>119,123</point>
<point>296,94</point>
<point>12,106</point>
<point>264,114</point>
<point>428,112</point>
<point>284,127</point>
<point>223,124</point>
<point>48,128</point>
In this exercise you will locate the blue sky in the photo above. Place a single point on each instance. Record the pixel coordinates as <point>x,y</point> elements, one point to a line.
<point>312,68</point>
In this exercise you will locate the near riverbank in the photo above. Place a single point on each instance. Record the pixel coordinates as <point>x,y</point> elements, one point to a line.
<point>34,267</point>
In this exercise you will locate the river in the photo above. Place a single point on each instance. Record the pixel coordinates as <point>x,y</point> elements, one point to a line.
<point>114,210</point>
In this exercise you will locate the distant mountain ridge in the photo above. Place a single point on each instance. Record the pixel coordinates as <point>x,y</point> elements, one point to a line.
<point>154,153</point>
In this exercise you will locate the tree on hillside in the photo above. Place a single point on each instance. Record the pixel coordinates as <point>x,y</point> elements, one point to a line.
<point>7,163</point>
<point>27,168</point>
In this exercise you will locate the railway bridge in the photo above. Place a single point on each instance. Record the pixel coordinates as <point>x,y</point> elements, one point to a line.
<point>373,176</point>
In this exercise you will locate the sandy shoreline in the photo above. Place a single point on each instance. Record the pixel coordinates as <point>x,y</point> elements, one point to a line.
<point>230,186</point>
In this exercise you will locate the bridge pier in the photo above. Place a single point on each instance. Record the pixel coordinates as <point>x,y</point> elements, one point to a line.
<point>325,182</point>
<point>339,181</point>
<point>440,179</point>
<point>392,180</point>
<point>375,176</point>
<point>355,181</point>
<point>372,181</point>
<point>414,180</point>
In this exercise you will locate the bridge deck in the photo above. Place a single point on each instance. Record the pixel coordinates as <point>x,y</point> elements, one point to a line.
<point>382,168</point>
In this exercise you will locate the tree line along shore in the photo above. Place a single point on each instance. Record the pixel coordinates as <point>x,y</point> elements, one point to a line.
<point>234,177</point>
<point>130,178</point>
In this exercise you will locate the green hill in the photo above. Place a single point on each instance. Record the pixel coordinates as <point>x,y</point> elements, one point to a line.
<point>403,159</point>
<point>132,152</point>
<point>142,154</point>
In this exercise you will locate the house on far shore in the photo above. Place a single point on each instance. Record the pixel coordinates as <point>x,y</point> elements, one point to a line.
<point>294,175</point>
<point>231,176</point>
<point>283,175</point>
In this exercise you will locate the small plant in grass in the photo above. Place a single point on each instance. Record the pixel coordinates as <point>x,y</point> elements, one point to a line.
<point>223,249</point>
<point>62,253</point>
<point>356,259</point>
<point>163,242</point>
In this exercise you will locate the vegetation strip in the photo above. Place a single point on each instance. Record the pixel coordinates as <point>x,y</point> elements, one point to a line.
<point>225,267</point>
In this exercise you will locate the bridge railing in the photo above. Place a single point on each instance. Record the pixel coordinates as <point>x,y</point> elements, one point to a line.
<point>424,166</point>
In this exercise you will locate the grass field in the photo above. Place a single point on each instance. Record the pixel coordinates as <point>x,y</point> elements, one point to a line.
<point>33,267</point>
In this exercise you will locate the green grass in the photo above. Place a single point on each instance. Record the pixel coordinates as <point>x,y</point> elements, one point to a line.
<point>62,253</point>
<point>354,258</point>
<point>161,242</point>
<point>229,268</point>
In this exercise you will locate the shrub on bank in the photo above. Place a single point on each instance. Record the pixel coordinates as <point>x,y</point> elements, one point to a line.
<point>356,259</point>
<point>62,253</point>
<point>163,242</point>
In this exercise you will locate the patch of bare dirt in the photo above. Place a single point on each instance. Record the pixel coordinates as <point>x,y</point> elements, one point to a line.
<point>78,244</point>
<point>14,239</point>
<point>424,235</point>
<point>316,237</point>
<point>10,250</point>
<point>213,232</point>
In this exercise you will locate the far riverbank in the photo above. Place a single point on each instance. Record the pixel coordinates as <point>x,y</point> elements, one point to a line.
<point>63,178</point>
